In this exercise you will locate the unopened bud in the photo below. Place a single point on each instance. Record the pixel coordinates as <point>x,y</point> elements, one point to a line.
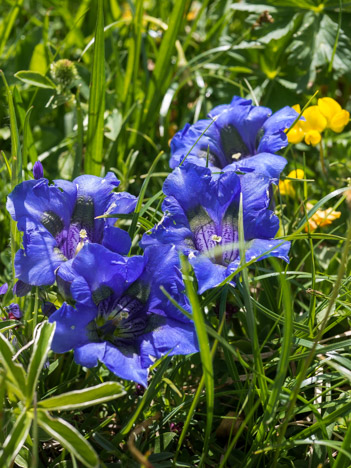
<point>38,171</point>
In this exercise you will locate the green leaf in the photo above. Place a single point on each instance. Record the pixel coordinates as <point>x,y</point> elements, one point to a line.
<point>8,324</point>
<point>96,109</point>
<point>80,399</point>
<point>43,337</point>
<point>313,47</point>
<point>8,23</point>
<point>35,79</point>
<point>38,62</point>
<point>15,439</point>
<point>69,438</point>
<point>14,372</point>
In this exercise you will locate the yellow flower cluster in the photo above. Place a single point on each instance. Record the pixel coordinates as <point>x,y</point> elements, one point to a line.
<point>321,217</point>
<point>286,187</point>
<point>327,114</point>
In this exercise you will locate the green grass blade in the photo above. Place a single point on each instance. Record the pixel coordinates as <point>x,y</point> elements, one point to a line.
<point>147,397</point>
<point>250,316</point>
<point>162,66</point>
<point>16,167</point>
<point>205,352</point>
<point>285,349</point>
<point>96,108</point>
<point>142,195</point>
<point>8,23</point>
<point>80,138</point>
<point>197,396</point>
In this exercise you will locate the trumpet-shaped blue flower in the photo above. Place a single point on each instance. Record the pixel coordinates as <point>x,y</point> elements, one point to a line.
<point>201,219</point>
<point>57,220</point>
<point>121,317</point>
<point>238,136</point>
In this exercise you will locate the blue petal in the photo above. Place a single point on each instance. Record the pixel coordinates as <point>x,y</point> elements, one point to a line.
<point>189,178</point>
<point>99,266</point>
<point>3,289</point>
<point>36,264</point>
<point>265,164</point>
<point>208,274</point>
<point>163,269</point>
<point>173,229</point>
<point>21,289</point>
<point>97,191</point>
<point>199,141</point>
<point>89,354</point>
<point>193,186</point>
<point>98,188</point>
<point>123,203</point>
<point>124,360</point>
<point>258,247</point>
<point>165,335</point>
<point>34,197</point>
<point>71,328</point>
<point>82,293</point>
<point>117,240</point>
<point>274,138</point>
<point>246,119</point>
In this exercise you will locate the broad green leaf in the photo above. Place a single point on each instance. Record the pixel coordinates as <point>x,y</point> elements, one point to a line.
<point>44,334</point>
<point>38,62</point>
<point>313,47</point>
<point>96,108</point>
<point>69,438</point>
<point>14,372</point>
<point>14,441</point>
<point>8,324</point>
<point>35,79</point>
<point>80,399</point>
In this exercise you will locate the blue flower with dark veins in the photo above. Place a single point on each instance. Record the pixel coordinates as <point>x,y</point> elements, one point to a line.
<point>121,317</point>
<point>57,220</point>
<point>201,220</point>
<point>238,136</point>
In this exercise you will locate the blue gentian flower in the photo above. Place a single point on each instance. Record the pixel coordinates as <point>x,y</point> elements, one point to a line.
<point>238,136</point>
<point>57,220</point>
<point>201,219</point>
<point>121,317</point>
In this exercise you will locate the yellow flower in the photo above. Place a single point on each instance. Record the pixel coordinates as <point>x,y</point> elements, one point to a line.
<point>336,117</point>
<point>314,125</point>
<point>296,134</point>
<point>286,186</point>
<point>309,129</point>
<point>321,218</point>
